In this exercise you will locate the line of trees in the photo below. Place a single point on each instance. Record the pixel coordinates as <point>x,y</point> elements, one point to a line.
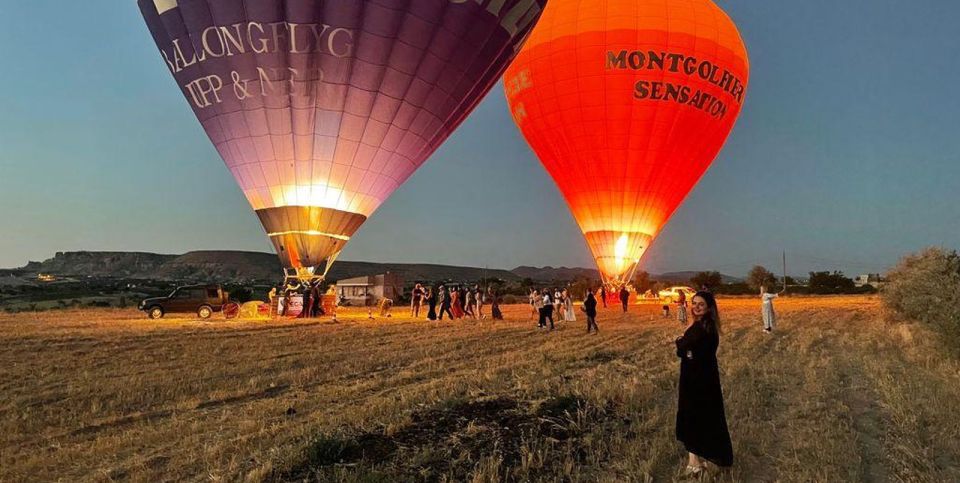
<point>820,283</point>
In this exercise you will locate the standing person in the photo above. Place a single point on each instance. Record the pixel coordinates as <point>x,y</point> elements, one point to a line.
<point>272,296</point>
<point>445,303</point>
<point>547,309</point>
<point>557,302</point>
<point>416,300</point>
<point>682,308</point>
<point>603,295</point>
<point>431,304</point>
<point>534,303</point>
<point>288,291</point>
<point>766,309</point>
<point>701,422</point>
<point>590,308</point>
<point>541,310</point>
<point>478,298</point>
<point>316,307</point>
<point>494,304</point>
<point>624,296</point>
<point>568,314</point>
<point>305,301</point>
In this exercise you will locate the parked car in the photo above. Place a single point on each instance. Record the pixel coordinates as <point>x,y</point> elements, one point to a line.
<point>672,294</point>
<point>202,300</point>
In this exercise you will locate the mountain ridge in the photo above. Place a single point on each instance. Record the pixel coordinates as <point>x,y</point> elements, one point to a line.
<point>233,265</point>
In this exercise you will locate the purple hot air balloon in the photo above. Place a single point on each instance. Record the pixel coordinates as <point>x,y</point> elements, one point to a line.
<point>322,108</point>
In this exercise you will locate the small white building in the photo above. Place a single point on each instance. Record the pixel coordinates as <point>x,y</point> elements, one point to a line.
<point>872,279</point>
<point>369,290</point>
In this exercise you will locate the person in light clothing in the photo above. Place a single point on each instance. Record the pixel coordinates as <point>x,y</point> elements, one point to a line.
<point>682,308</point>
<point>568,314</point>
<point>766,309</point>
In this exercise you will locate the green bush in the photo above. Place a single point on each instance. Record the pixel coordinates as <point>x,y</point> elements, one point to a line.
<point>926,287</point>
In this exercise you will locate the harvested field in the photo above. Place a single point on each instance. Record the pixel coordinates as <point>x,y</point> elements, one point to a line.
<point>838,393</point>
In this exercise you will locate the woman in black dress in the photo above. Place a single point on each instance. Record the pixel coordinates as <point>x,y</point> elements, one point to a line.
<point>701,423</point>
<point>432,304</point>
<point>495,304</point>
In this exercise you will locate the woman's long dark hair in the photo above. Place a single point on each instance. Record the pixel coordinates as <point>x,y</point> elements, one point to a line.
<point>711,319</point>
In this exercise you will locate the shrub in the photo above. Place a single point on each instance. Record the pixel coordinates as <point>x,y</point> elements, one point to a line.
<point>926,287</point>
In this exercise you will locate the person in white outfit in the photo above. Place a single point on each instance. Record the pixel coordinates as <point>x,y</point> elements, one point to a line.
<point>766,309</point>
<point>568,313</point>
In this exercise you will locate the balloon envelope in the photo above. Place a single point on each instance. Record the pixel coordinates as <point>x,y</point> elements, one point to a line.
<point>626,103</point>
<point>322,108</point>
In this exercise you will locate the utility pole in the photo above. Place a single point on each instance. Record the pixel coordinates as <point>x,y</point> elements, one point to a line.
<point>784,271</point>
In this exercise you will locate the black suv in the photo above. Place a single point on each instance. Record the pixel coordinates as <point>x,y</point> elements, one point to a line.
<point>202,300</point>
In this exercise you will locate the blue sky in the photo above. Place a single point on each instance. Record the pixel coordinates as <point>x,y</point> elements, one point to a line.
<point>846,155</point>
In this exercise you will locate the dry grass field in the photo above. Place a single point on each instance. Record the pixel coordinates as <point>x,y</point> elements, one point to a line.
<point>839,393</point>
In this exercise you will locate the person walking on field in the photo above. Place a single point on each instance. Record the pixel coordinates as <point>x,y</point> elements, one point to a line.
<point>603,295</point>
<point>701,420</point>
<point>456,304</point>
<point>624,297</point>
<point>478,301</point>
<point>590,308</point>
<point>445,300</point>
<point>468,304</point>
<point>766,309</point>
<point>682,308</point>
<point>547,309</point>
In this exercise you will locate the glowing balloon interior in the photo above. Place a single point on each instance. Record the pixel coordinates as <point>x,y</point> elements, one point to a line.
<point>626,103</point>
<point>322,108</point>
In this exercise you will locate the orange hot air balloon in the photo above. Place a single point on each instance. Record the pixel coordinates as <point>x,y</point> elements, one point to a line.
<point>626,103</point>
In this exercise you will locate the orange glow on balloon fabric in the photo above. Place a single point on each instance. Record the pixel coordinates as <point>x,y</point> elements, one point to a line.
<point>626,103</point>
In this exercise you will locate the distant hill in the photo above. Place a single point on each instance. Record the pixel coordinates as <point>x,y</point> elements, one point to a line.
<point>549,274</point>
<point>417,271</point>
<point>119,264</point>
<point>220,265</point>
<point>238,266</point>
<point>230,266</point>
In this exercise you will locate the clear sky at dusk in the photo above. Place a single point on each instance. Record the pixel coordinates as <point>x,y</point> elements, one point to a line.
<point>846,155</point>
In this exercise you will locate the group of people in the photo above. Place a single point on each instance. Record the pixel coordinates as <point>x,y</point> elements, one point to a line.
<point>458,302</point>
<point>544,304</point>
<point>311,293</point>
<point>623,294</point>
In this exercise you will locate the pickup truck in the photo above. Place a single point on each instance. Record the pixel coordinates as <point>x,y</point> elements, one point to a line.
<point>202,300</point>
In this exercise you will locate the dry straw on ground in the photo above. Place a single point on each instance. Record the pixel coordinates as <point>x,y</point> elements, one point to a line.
<point>836,394</point>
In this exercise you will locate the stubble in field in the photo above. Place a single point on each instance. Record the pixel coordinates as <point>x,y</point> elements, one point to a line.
<point>836,393</point>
